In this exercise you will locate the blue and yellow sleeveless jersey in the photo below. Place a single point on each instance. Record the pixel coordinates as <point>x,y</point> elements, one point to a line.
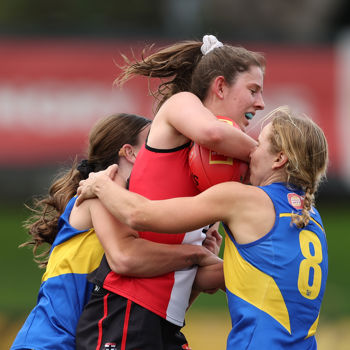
<point>275,285</point>
<point>64,290</point>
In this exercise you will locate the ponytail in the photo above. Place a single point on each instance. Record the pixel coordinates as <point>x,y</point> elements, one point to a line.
<point>106,138</point>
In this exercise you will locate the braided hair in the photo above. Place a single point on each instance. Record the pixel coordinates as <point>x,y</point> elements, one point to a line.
<point>305,146</point>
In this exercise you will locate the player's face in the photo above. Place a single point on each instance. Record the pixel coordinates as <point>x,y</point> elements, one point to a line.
<point>244,96</point>
<point>262,159</point>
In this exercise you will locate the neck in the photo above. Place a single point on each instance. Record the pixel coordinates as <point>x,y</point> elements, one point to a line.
<point>274,177</point>
<point>213,105</point>
<point>124,168</point>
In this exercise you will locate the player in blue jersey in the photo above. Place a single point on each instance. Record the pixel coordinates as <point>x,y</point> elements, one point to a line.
<point>74,249</point>
<point>275,260</point>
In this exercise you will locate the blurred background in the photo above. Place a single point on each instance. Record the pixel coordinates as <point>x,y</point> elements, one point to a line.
<point>57,66</point>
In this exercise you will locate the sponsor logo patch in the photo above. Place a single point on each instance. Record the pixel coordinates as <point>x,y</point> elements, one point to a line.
<point>296,201</point>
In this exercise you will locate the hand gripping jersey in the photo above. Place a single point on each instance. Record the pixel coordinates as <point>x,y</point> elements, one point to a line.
<point>64,290</point>
<point>275,285</point>
<point>161,174</point>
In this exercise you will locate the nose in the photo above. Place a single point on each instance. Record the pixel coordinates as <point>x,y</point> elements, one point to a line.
<point>260,104</point>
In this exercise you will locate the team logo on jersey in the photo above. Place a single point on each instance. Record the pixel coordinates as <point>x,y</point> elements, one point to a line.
<point>295,200</point>
<point>110,346</point>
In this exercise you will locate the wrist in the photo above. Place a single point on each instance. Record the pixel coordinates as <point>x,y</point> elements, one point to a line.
<point>199,254</point>
<point>99,185</point>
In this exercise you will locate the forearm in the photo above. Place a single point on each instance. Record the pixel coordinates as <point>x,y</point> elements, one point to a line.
<point>209,278</point>
<point>143,214</point>
<point>173,215</point>
<point>128,254</point>
<point>117,200</point>
<point>232,142</point>
<point>187,114</point>
<point>142,258</point>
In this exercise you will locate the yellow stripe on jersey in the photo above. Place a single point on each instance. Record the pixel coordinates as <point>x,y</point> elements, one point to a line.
<point>80,254</point>
<point>254,286</point>
<point>313,328</point>
<point>282,215</point>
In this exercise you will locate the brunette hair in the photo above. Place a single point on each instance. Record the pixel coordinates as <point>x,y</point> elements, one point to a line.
<point>106,138</point>
<point>187,69</point>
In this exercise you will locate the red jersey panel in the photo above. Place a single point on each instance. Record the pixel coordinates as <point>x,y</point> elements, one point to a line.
<point>161,174</point>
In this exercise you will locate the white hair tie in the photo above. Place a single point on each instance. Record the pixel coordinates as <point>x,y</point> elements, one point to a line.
<point>210,43</point>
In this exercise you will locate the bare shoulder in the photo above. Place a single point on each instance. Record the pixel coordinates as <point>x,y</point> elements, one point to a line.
<point>236,191</point>
<point>250,193</point>
<point>167,129</point>
<point>253,198</point>
<point>80,217</point>
<point>183,96</point>
<point>253,215</point>
<point>179,103</point>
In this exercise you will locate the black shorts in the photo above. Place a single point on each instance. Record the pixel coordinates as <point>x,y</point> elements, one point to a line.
<point>112,322</point>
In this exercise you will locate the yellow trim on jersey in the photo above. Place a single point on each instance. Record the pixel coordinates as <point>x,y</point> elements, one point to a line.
<point>79,254</point>
<point>282,215</point>
<point>253,286</point>
<point>313,328</point>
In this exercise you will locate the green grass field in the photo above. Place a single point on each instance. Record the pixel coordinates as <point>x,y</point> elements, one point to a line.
<point>207,321</point>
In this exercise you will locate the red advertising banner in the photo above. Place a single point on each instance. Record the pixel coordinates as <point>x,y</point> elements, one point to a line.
<point>51,92</point>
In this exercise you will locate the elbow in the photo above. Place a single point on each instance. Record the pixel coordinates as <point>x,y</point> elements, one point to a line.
<point>121,264</point>
<point>212,136</point>
<point>136,219</point>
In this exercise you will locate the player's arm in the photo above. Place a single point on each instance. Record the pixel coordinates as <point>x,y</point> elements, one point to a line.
<point>213,239</point>
<point>127,254</point>
<point>218,203</point>
<point>186,113</point>
<point>210,278</point>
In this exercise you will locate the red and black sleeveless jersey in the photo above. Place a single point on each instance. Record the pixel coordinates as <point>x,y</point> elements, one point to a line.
<point>159,174</point>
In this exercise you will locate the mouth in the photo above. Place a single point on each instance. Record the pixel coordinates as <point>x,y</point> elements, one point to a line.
<point>249,115</point>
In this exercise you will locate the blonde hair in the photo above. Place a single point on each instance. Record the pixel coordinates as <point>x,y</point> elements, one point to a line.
<point>305,146</point>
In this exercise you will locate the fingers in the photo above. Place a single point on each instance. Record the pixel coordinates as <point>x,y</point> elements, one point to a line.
<point>79,189</point>
<point>85,189</point>
<point>216,235</point>
<point>213,240</point>
<point>213,231</point>
<point>112,170</point>
<point>210,244</point>
<point>79,200</point>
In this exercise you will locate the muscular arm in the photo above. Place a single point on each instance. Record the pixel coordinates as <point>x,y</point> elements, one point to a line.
<point>247,210</point>
<point>171,215</point>
<point>210,277</point>
<point>186,115</point>
<point>127,254</point>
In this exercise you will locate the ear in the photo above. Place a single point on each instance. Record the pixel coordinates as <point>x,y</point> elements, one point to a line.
<point>127,151</point>
<point>218,86</point>
<point>280,160</point>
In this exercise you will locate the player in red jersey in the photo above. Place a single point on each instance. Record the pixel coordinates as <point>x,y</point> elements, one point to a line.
<point>205,79</point>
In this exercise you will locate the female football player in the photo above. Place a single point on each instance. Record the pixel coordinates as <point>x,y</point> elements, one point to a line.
<point>203,80</point>
<point>74,247</point>
<point>275,259</point>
